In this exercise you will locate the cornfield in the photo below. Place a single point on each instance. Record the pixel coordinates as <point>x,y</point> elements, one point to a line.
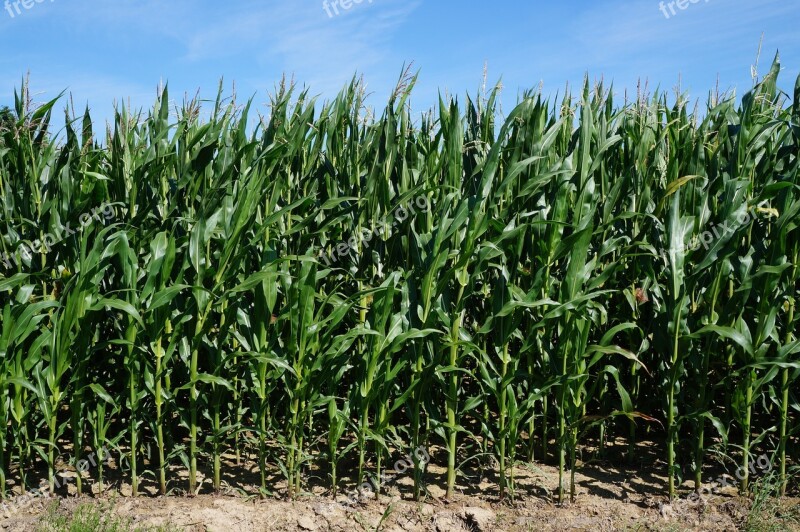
<point>325,286</point>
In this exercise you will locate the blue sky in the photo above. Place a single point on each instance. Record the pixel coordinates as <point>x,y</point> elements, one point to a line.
<point>104,50</point>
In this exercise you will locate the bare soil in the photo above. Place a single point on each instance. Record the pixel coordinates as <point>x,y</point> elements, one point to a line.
<point>609,497</point>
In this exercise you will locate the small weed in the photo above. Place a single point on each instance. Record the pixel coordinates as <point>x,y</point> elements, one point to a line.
<point>768,513</point>
<point>91,518</point>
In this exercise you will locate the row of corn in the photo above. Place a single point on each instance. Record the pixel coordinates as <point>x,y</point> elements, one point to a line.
<point>313,289</point>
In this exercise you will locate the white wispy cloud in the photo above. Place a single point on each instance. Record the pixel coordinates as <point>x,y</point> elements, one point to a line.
<point>106,49</point>
<point>295,37</point>
<point>301,38</point>
<point>251,41</point>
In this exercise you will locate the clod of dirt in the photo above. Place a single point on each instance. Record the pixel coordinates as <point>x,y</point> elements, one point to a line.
<point>478,519</point>
<point>450,522</point>
<point>666,511</point>
<point>327,510</point>
<point>306,522</point>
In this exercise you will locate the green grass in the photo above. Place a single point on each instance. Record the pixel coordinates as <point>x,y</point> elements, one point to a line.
<point>91,517</point>
<point>770,513</point>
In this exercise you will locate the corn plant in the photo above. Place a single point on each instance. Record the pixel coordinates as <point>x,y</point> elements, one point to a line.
<point>211,280</point>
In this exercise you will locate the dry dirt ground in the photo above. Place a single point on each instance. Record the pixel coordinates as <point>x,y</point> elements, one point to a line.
<point>609,497</point>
